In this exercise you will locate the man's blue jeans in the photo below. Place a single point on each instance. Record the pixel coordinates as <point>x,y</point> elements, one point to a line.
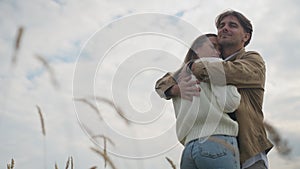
<point>220,152</point>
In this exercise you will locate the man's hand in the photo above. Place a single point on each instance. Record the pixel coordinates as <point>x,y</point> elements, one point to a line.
<point>186,86</point>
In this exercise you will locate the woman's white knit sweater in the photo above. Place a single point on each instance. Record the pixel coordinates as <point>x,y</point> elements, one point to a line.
<point>207,114</point>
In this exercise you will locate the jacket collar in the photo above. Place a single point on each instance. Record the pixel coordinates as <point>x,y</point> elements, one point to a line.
<point>236,55</point>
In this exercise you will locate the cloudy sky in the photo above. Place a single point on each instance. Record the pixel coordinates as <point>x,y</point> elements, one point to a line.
<point>116,50</point>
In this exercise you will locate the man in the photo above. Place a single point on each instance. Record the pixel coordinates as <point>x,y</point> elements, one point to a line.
<point>245,70</point>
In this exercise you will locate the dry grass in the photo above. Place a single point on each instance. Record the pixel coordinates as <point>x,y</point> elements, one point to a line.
<point>87,130</point>
<point>116,108</point>
<point>11,165</point>
<point>42,120</point>
<point>72,165</point>
<point>104,144</point>
<point>94,167</point>
<point>83,100</point>
<point>49,69</point>
<point>280,144</point>
<point>105,157</point>
<point>171,163</point>
<point>104,100</point>
<point>17,45</point>
<point>105,139</point>
<point>69,161</point>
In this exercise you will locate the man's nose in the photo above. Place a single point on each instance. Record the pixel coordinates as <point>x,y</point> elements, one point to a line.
<point>224,29</point>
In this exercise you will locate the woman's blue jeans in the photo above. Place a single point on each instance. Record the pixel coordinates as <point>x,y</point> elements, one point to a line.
<point>221,152</point>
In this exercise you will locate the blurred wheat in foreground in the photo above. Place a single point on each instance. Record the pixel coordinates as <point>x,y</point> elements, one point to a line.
<point>280,144</point>
<point>11,165</point>
<point>104,142</point>
<point>86,101</point>
<point>116,108</point>
<point>17,45</point>
<point>105,157</point>
<point>70,161</point>
<point>171,163</point>
<point>42,120</point>
<point>49,69</point>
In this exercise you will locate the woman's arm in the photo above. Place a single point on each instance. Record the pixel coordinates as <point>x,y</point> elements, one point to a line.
<point>228,97</point>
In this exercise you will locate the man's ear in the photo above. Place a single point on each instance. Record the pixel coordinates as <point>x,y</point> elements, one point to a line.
<point>246,37</point>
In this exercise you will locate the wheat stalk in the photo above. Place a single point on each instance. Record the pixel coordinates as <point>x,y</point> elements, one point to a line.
<point>11,165</point>
<point>91,105</point>
<point>104,149</point>
<point>94,167</point>
<point>280,144</point>
<point>68,162</point>
<point>171,163</point>
<point>49,69</point>
<point>105,157</point>
<point>104,138</point>
<point>87,129</point>
<point>105,152</point>
<point>72,165</point>
<point>42,120</point>
<point>17,44</point>
<point>117,109</point>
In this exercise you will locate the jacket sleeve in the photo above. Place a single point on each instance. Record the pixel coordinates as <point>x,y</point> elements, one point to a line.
<point>228,98</point>
<point>247,71</point>
<point>163,84</point>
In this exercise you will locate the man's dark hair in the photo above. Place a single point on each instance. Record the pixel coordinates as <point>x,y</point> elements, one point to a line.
<point>245,22</point>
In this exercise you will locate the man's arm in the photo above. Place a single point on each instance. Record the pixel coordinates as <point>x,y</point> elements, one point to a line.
<point>248,71</point>
<point>163,86</point>
<point>167,87</point>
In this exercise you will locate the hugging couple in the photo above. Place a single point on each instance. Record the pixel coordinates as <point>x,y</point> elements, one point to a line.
<point>217,96</point>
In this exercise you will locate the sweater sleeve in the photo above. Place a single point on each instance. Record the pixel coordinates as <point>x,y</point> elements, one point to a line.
<point>228,98</point>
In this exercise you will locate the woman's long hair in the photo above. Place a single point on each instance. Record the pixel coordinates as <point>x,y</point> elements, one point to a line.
<point>191,54</point>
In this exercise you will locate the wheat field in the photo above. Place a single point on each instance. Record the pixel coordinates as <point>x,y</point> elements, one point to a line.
<point>62,105</point>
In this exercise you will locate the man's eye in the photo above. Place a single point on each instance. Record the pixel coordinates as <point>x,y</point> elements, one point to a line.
<point>234,25</point>
<point>221,26</point>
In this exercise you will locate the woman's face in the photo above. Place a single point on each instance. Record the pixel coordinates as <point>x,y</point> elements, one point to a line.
<point>210,48</point>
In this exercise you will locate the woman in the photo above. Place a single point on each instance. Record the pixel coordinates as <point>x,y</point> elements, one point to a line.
<point>203,125</point>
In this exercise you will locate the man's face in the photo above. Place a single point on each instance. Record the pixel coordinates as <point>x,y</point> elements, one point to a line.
<point>231,33</point>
